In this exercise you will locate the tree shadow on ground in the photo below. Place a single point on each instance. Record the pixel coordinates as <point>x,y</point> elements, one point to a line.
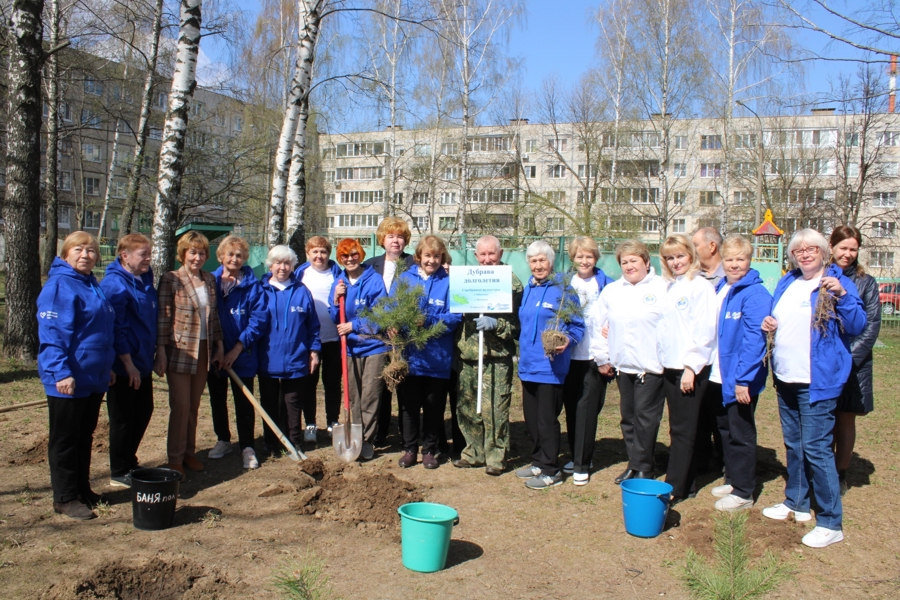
<point>219,470</point>
<point>462,551</point>
<point>190,514</point>
<point>25,372</point>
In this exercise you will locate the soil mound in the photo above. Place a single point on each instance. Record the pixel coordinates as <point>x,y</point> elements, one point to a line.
<point>356,496</point>
<point>156,578</point>
<point>101,437</point>
<point>34,454</point>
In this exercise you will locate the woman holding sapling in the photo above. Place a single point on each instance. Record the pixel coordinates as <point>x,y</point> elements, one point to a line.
<point>423,391</point>
<point>685,339</point>
<point>584,390</point>
<point>631,308</point>
<point>739,369</point>
<point>857,397</point>
<point>816,312</point>
<point>361,287</point>
<point>551,324</point>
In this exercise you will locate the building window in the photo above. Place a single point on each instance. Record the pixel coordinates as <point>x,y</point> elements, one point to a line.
<point>450,174</point>
<point>556,171</point>
<point>527,223</point>
<point>119,188</point>
<point>420,198</point>
<point>488,144</point>
<point>360,149</point>
<point>197,109</point>
<point>91,219</point>
<point>710,198</point>
<point>881,260</point>
<point>649,224</point>
<point>890,138</point>
<point>711,142</point>
<point>558,144</point>
<point>450,148</point>
<point>591,195</point>
<point>745,198</point>
<point>62,216</point>
<point>349,221</point>
<point>489,221</point>
<point>710,170</point>
<point>883,229</point>
<point>744,169</point>
<point>745,140</point>
<point>328,153</point>
<point>681,142</point>
<point>851,139</point>
<point>65,112</point>
<point>362,197</point>
<point>679,198</point>
<point>420,223</point>
<point>885,199</point>
<point>447,223</point>
<point>679,225</point>
<point>237,124</point>
<point>531,146</point>
<point>422,149</point>
<point>90,119</point>
<point>329,199</point>
<point>329,176</point>
<point>530,171</point>
<point>448,198</point>
<point>65,181</point>
<point>556,196</point>
<point>92,86</point>
<point>680,170</point>
<point>161,101</point>
<point>398,198</point>
<point>91,152</point>
<point>359,173</point>
<point>496,196</point>
<point>888,169</point>
<point>92,186</point>
<point>156,133</point>
<point>555,223</point>
<point>219,119</point>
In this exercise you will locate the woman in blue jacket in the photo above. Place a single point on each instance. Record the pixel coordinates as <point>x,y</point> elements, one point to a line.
<point>543,376</point>
<point>424,390</point>
<point>362,287</point>
<point>289,347</point>
<point>738,372</point>
<point>128,286</point>
<point>811,361</point>
<point>76,325</point>
<point>242,312</point>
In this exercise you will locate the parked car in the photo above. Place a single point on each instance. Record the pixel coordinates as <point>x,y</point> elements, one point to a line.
<point>889,294</point>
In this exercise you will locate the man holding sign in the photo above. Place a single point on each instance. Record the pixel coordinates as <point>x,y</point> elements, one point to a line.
<point>491,313</point>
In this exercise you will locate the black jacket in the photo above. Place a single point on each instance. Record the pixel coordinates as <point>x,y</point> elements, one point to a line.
<point>377,262</point>
<point>859,385</point>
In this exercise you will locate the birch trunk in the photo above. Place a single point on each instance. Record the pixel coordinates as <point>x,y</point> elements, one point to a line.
<point>22,205</point>
<point>296,191</point>
<point>171,155</point>
<point>143,130</point>
<point>310,20</point>
<point>51,230</point>
<point>109,176</point>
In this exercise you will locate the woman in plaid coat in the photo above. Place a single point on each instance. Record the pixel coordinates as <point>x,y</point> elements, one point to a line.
<point>188,342</point>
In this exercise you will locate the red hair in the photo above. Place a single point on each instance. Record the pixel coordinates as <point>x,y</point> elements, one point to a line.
<point>348,246</point>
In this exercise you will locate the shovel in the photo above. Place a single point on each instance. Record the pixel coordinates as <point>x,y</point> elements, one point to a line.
<point>295,454</point>
<point>346,438</point>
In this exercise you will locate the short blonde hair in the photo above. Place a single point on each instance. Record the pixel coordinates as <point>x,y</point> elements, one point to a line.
<point>280,253</point>
<point>393,225</point>
<point>192,239</point>
<point>434,244</point>
<point>233,240</point>
<point>585,244</point>
<point>632,248</point>
<point>678,242</point>
<point>318,241</point>
<point>736,244</point>
<point>808,237</point>
<point>132,242</point>
<point>79,238</point>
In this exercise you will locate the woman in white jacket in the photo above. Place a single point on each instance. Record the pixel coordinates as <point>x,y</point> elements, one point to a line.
<point>685,339</point>
<point>631,308</point>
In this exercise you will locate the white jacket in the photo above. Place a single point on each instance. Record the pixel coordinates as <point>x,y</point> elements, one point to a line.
<point>632,312</point>
<point>687,331</point>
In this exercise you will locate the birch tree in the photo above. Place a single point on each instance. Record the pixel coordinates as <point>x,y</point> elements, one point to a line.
<point>51,231</point>
<point>21,208</point>
<point>171,168</point>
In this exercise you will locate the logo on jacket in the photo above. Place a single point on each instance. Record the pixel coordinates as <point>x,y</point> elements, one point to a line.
<point>733,315</point>
<point>49,314</point>
<point>650,299</point>
<point>435,302</point>
<point>682,303</point>
<point>299,309</point>
<point>548,305</point>
<point>238,311</point>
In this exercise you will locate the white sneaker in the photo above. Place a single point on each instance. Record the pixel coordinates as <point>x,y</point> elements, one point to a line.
<point>569,467</point>
<point>581,478</point>
<point>732,503</point>
<point>720,491</point>
<point>820,537</point>
<point>250,460</point>
<point>220,449</point>
<point>310,434</point>
<point>780,512</point>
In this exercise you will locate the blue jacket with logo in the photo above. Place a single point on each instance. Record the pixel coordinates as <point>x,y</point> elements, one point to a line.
<point>540,303</point>
<point>291,330</point>
<point>243,316</point>
<point>134,300</point>
<point>830,358</point>
<point>741,340</point>
<point>76,327</point>
<point>335,269</point>
<point>364,293</point>
<point>433,359</point>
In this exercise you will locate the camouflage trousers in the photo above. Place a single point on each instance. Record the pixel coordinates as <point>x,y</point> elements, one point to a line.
<point>487,434</point>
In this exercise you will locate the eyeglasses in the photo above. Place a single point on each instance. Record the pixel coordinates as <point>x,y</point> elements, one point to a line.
<point>808,251</point>
<point>351,255</point>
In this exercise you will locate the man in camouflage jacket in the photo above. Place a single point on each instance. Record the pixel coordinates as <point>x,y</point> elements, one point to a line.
<point>487,434</point>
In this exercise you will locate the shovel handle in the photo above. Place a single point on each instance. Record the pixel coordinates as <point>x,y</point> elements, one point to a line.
<point>344,356</point>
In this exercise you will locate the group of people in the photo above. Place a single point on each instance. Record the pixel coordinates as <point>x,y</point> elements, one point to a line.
<point>699,337</point>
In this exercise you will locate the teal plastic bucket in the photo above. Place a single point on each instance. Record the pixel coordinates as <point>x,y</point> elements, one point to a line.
<point>425,530</point>
<point>645,503</point>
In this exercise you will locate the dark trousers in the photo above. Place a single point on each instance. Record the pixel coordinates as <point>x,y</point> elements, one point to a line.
<point>541,404</point>
<point>456,434</point>
<point>329,370</point>
<point>584,393</point>
<point>72,424</point>
<point>737,427</point>
<point>384,415</point>
<point>274,395</point>
<point>641,407</point>
<point>428,396</point>
<point>129,413</point>
<point>244,414</point>
<point>684,410</point>
<point>708,442</point>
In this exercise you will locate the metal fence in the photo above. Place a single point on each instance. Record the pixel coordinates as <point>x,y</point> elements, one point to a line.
<point>889,294</point>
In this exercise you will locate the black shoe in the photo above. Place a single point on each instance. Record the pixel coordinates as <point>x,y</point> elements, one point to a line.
<point>74,509</point>
<point>493,471</point>
<point>626,475</point>
<point>429,461</point>
<point>643,475</point>
<point>462,463</point>
<point>91,498</point>
<point>407,460</point>
<point>380,442</point>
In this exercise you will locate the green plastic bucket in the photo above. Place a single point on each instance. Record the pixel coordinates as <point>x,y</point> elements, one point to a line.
<point>425,530</point>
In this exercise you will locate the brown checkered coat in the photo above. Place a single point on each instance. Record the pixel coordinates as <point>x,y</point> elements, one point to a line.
<point>178,327</point>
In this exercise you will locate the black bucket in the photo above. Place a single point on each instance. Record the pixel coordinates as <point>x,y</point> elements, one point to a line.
<point>155,492</point>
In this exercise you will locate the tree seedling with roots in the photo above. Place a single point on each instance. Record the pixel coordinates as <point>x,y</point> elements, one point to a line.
<point>553,336</point>
<point>400,320</point>
<point>826,310</point>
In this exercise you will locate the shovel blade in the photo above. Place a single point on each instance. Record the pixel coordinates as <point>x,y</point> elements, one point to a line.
<point>347,453</point>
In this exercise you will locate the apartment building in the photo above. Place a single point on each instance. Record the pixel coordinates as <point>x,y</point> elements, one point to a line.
<point>646,178</point>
